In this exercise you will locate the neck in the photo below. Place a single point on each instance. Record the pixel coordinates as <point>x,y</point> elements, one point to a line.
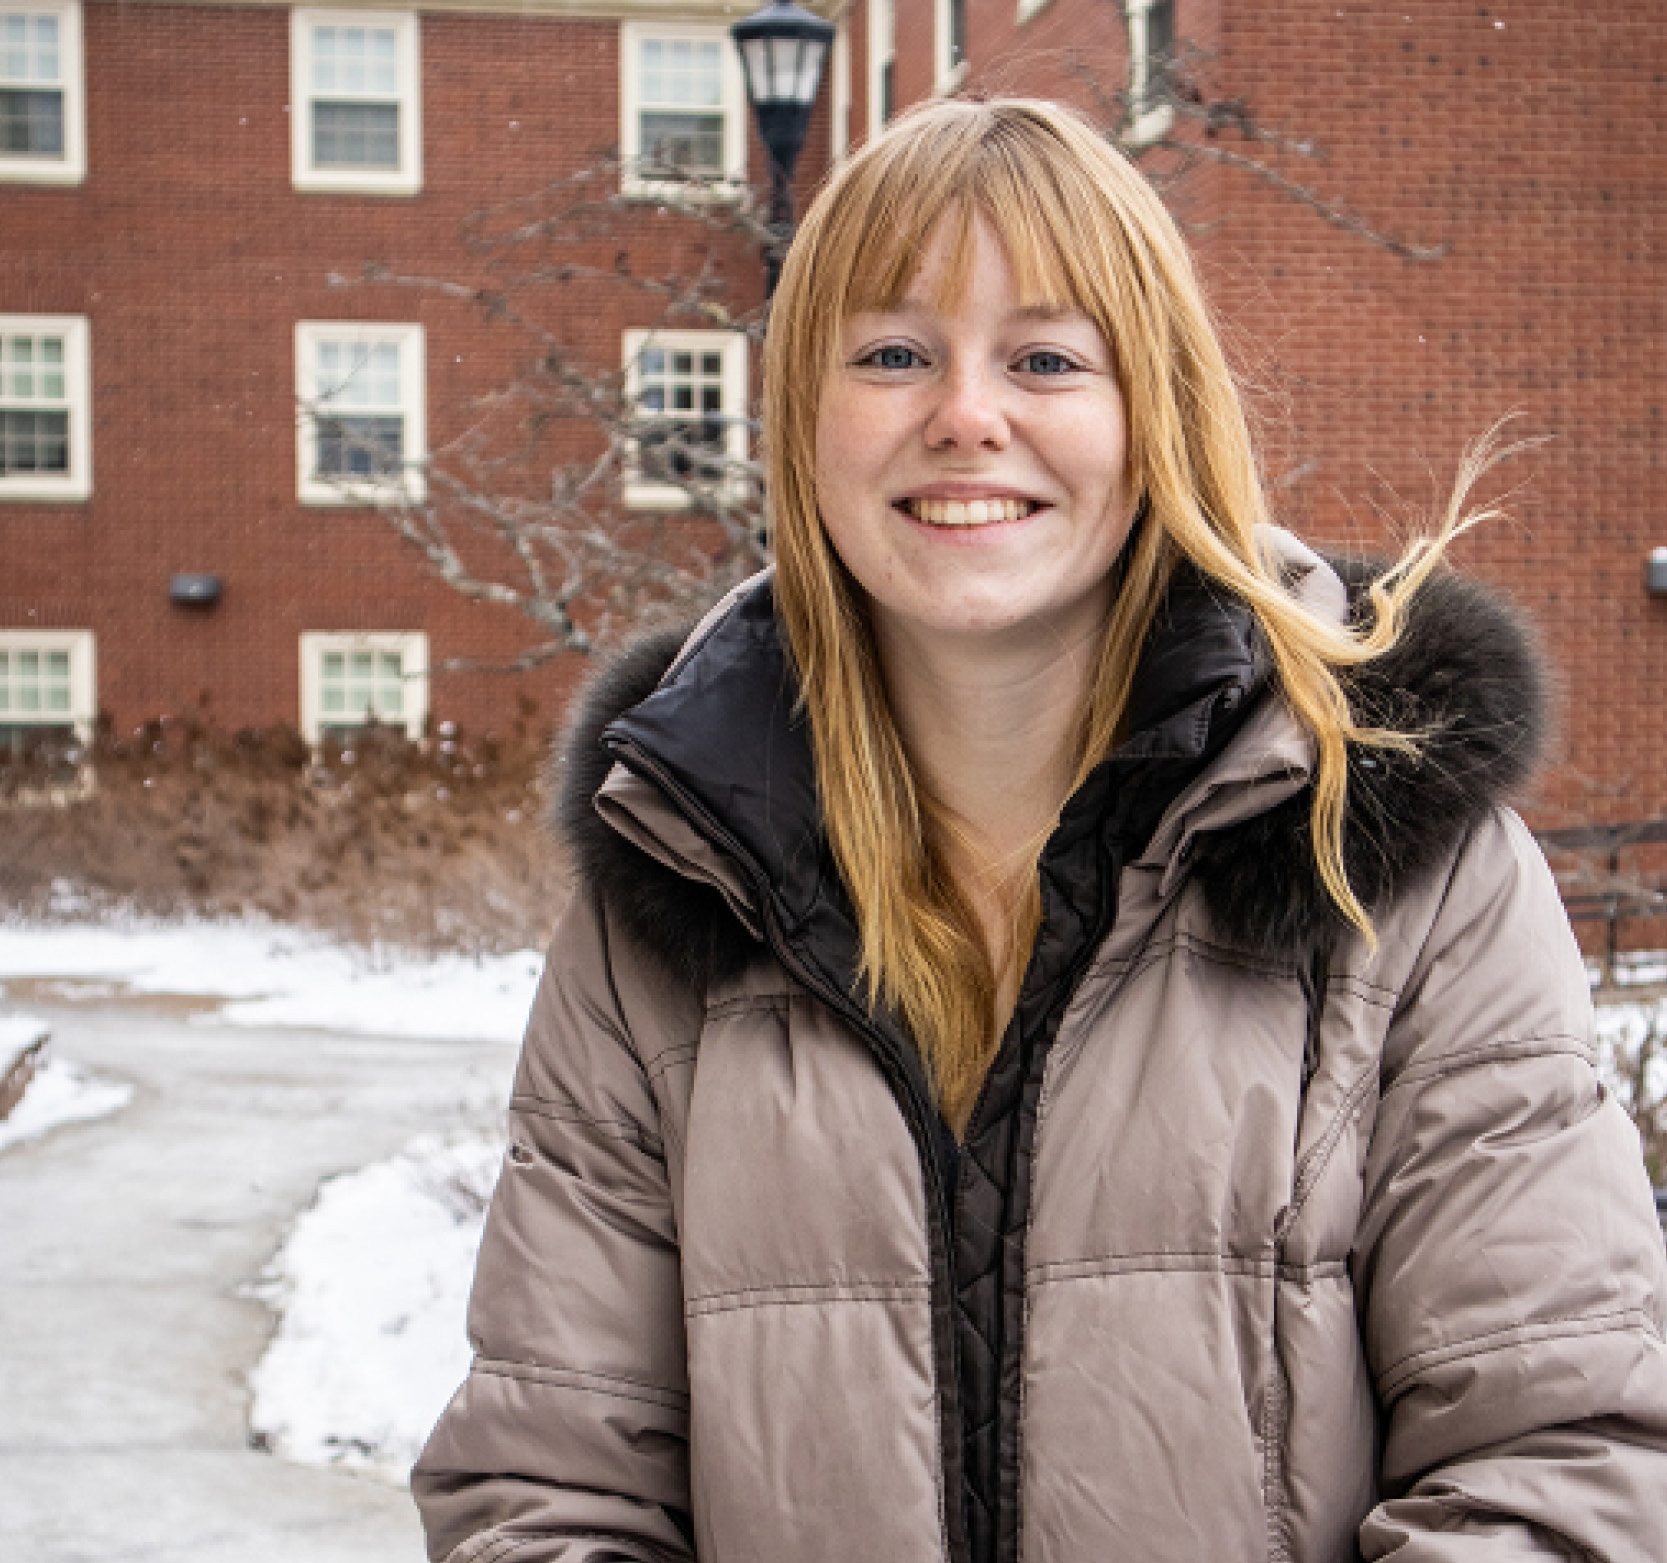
<point>990,727</point>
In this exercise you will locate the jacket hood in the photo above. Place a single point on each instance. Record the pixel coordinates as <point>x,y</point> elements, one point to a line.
<point>711,720</point>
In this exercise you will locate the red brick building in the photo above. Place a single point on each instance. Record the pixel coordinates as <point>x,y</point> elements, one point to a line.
<point>1413,220</point>
<point>189,197</point>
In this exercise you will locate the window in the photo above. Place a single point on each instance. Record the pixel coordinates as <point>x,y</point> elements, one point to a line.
<point>683,108</point>
<point>882,64</point>
<point>1151,50</point>
<point>949,44</point>
<point>47,688</point>
<point>355,112</point>
<point>45,423</point>
<point>362,434</point>
<point>689,392</point>
<point>42,118</point>
<point>351,680</point>
<point>839,111</point>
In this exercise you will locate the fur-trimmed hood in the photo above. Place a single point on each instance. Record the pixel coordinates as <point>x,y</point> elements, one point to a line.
<point>1465,677</point>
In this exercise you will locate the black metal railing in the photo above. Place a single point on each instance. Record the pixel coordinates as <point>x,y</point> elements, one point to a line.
<point>1608,897</point>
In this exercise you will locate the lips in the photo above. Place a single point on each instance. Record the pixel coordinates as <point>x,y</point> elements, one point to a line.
<point>968,512</point>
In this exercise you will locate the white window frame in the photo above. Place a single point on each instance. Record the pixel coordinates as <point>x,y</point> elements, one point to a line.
<point>1145,124</point>
<point>83,679</point>
<point>882,51</point>
<point>1030,8</point>
<point>76,484</point>
<point>407,179</point>
<point>641,494</point>
<point>412,645</point>
<point>71,168</point>
<point>409,486</point>
<point>733,105</point>
<point>947,74</point>
<point>839,107</point>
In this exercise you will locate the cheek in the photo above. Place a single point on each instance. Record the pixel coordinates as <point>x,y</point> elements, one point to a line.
<point>845,433</point>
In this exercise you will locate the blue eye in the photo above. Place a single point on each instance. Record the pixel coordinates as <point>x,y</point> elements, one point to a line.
<point>1046,362</point>
<point>891,355</point>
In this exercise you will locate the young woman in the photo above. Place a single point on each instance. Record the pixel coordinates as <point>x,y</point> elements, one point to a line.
<point>1058,1049</point>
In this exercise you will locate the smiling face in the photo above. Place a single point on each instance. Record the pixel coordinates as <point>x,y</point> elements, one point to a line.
<point>971,456</point>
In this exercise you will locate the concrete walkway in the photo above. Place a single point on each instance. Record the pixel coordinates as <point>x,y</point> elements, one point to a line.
<point>124,1343</point>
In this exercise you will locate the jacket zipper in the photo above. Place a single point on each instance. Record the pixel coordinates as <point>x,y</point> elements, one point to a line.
<point>917,1114</point>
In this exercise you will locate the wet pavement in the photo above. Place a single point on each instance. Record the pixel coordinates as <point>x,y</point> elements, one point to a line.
<point>126,1247</point>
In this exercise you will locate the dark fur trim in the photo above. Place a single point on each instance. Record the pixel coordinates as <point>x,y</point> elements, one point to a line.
<point>1465,675</point>
<point>687,924</point>
<point>1467,678</point>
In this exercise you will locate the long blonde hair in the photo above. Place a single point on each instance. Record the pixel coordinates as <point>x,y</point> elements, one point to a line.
<point>1082,230</point>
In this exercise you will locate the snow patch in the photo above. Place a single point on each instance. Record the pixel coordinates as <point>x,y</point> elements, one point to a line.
<point>275,976</point>
<point>60,1093</point>
<point>19,1033</point>
<point>371,1288</point>
<point>1630,1036</point>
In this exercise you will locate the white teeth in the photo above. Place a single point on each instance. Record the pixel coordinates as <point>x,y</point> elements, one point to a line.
<point>970,512</point>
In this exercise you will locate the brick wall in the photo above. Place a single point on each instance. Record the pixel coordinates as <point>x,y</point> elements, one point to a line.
<point>193,257</point>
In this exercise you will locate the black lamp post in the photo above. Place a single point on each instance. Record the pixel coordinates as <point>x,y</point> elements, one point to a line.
<point>783,48</point>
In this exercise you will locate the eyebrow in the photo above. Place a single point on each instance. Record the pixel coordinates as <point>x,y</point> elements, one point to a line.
<point>1039,312</point>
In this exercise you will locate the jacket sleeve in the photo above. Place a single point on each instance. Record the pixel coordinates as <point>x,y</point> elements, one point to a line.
<point>1509,1267</point>
<point>569,1439</point>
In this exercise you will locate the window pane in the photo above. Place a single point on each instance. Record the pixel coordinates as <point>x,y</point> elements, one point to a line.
<point>359,374</point>
<point>362,664</point>
<point>360,447</point>
<point>57,697</point>
<point>332,663</point>
<point>360,61</point>
<point>653,360</point>
<point>682,72</point>
<point>390,700</point>
<point>57,664</point>
<point>391,664</point>
<point>355,135</point>
<point>29,48</point>
<point>691,142</point>
<point>31,123</point>
<point>333,698</point>
<point>33,442</point>
<point>711,364</point>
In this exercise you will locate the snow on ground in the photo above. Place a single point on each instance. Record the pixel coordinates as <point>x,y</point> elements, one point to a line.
<point>275,976</point>
<point>1622,1030</point>
<point>19,1033</point>
<point>371,1289</point>
<point>59,1092</point>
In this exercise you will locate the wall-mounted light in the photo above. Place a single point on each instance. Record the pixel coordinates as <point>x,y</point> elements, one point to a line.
<point>194,591</point>
<point>1655,572</point>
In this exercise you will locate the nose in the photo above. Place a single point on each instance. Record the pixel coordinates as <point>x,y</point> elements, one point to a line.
<point>967,414</point>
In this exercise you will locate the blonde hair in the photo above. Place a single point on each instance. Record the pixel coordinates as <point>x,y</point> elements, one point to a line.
<point>1082,230</point>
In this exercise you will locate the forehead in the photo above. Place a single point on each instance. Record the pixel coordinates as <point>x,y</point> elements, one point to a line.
<point>936,263</point>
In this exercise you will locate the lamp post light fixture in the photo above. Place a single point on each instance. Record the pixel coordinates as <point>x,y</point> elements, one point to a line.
<point>783,49</point>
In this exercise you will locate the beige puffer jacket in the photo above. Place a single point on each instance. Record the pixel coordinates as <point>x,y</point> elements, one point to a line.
<point>1262,1243</point>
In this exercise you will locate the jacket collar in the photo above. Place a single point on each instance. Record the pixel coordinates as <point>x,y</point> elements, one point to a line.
<point>710,823</point>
